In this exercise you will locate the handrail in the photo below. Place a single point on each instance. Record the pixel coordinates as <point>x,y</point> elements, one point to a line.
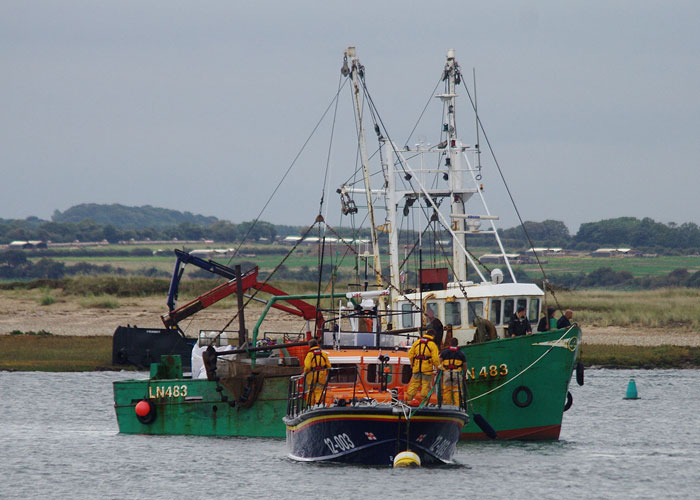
<point>276,298</point>
<point>297,401</point>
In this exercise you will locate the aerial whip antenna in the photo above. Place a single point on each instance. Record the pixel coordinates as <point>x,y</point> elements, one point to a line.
<point>476,118</point>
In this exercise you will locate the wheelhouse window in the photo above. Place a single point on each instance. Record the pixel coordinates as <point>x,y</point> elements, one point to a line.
<point>372,373</point>
<point>495,312</point>
<point>534,312</point>
<point>406,373</point>
<point>453,313</point>
<point>476,308</point>
<point>522,303</point>
<point>433,306</point>
<point>508,306</point>
<point>343,374</point>
<point>406,315</point>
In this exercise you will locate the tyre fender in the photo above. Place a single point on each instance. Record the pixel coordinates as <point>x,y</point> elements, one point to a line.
<point>516,396</point>
<point>569,401</point>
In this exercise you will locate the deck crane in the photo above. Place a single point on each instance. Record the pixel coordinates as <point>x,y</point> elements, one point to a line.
<point>249,280</point>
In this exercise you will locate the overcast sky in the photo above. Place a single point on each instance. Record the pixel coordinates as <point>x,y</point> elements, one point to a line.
<point>592,107</point>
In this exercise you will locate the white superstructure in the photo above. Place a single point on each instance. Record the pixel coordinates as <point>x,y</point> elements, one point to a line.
<point>441,179</point>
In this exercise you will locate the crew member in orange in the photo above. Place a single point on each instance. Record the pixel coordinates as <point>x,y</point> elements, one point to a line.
<point>453,362</point>
<point>316,365</point>
<point>424,360</point>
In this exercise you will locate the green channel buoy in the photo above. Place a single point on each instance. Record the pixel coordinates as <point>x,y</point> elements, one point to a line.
<point>631,390</point>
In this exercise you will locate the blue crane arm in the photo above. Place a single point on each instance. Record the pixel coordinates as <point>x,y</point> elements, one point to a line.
<point>185,258</point>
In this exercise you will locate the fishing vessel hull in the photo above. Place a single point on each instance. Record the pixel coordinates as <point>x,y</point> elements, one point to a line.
<point>242,402</point>
<point>520,384</point>
<point>374,435</point>
<point>194,407</point>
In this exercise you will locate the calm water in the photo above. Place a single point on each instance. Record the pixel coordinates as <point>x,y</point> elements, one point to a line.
<point>59,440</point>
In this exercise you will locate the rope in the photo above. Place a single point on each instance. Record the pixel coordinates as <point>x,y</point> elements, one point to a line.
<point>524,370</point>
<point>427,398</point>
<point>430,98</point>
<point>389,283</point>
<point>279,184</point>
<point>318,220</point>
<point>510,195</point>
<point>330,147</point>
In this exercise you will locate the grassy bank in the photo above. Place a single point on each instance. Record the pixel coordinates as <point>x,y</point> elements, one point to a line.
<point>631,356</point>
<point>52,353</point>
<point>677,308</point>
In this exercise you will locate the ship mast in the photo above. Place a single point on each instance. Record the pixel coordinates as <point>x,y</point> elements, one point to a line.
<point>356,72</point>
<point>454,148</point>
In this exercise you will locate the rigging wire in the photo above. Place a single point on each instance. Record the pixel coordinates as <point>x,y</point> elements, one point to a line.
<point>279,184</point>
<point>330,147</point>
<point>252,296</point>
<point>321,230</point>
<point>430,98</point>
<point>512,200</point>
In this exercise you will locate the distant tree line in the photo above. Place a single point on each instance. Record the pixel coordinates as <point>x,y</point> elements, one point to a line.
<point>114,223</point>
<point>122,217</point>
<point>89,230</point>
<point>606,277</point>
<point>643,234</point>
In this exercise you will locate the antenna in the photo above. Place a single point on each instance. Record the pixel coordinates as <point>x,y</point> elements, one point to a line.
<point>476,118</point>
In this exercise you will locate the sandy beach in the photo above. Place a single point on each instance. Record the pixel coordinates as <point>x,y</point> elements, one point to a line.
<point>69,317</point>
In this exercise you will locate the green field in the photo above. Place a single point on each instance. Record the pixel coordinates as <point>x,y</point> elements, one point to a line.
<point>638,266</point>
<point>305,257</point>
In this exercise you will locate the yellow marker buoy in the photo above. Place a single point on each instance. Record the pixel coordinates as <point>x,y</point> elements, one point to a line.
<point>406,459</point>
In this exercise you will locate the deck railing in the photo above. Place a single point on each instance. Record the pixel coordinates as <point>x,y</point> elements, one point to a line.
<point>300,392</point>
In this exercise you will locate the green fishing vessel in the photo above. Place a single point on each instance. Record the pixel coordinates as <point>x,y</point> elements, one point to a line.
<point>520,385</point>
<point>232,406</point>
<point>516,382</point>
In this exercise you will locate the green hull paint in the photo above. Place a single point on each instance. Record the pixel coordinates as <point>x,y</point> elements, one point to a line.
<point>208,416</point>
<point>547,380</point>
<point>202,413</point>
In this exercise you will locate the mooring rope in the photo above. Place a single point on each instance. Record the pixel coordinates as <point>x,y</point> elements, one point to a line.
<point>524,370</point>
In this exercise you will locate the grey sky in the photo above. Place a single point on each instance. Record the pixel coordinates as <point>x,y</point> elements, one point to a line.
<point>592,107</point>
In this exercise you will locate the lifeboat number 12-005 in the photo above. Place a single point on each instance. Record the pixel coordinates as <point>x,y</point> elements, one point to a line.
<point>338,443</point>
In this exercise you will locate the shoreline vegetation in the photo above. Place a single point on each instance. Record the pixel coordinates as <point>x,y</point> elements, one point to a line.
<point>72,321</point>
<point>41,351</point>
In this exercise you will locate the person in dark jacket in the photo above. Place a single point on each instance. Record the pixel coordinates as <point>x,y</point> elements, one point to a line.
<point>565,320</point>
<point>519,324</point>
<point>548,322</point>
<point>434,324</point>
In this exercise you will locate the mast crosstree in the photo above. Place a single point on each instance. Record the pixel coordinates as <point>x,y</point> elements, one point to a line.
<point>454,169</point>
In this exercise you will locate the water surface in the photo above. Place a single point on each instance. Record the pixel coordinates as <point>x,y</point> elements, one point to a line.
<point>59,439</point>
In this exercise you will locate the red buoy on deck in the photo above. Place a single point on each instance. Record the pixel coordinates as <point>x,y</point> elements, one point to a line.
<point>143,408</point>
